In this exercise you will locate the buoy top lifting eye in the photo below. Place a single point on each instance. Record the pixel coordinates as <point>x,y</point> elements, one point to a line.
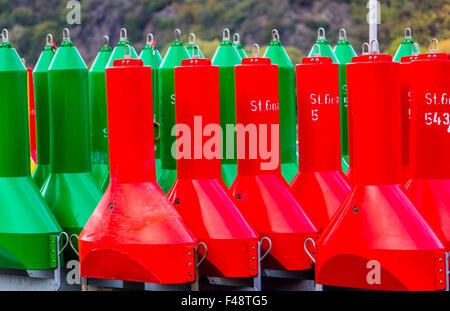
<point>195,55</point>
<point>150,39</point>
<point>236,38</point>
<point>363,50</point>
<point>314,50</point>
<point>376,49</point>
<point>321,33</point>
<point>5,37</point>
<point>255,50</point>
<point>436,50</point>
<point>275,35</point>
<point>408,33</point>
<point>192,38</point>
<point>105,40</point>
<point>226,34</point>
<point>342,34</point>
<point>66,34</point>
<point>49,39</point>
<point>123,35</point>
<point>127,51</point>
<point>177,34</point>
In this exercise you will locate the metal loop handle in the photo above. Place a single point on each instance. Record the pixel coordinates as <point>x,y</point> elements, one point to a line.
<point>66,34</point>
<point>236,38</point>
<point>65,244</point>
<point>255,50</point>
<point>321,33</point>
<point>105,40</point>
<point>342,34</point>
<point>5,37</point>
<point>125,54</point>
<point>73,246</point>
<point>363,51</point>
<point>372,50</point>
<point>306,249</point>
<point>431,46</point>
<point>195,48</point>
<point>191,38</point>
<point>314,50</point>
<point>226,34</point>
<point>177,33</point>
<point>48,39</point>
<point>204,257</point>
<point>150,39</point>
<point>408,33</point>
<point>275,35</point>
<point>268,250</point>
<point>159,129</point>
<point>123,34</point>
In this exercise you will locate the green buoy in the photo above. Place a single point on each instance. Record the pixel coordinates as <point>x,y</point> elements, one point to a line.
<point>193,45</point>
<point>226,57</point>
<point>151,57</point>
<point>28,229</point>
<point>40,79</point>
<point>237,44</point>
<point>407,47</point>
<point>118,52</point>
<point>288,116</point>
<point>324,46</point>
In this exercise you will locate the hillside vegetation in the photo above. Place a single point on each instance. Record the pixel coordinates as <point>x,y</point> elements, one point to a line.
<point>296,20</point>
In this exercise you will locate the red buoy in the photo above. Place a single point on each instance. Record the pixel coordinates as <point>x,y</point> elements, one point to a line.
<point>320,186</point>
<point>263,196</point>
<point>199,194</point>
<point>134,234</point>
<point>378,239</point>
<point>429,187</point>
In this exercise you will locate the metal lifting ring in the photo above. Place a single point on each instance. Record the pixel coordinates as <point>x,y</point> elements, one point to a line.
<point>342,34</point>
<point>363,51</point>
<point>195,48</point>
<point>177,33</point>
<point>65,244</point>
<point>321,33</point>
<point>159,129</point>
<point>66,34</point>
<point>431,46</point>
<point>105,40</point>
<point>226,34</point>
<point>73,246</point>
<point>268,250</point>
<point>48,39</point>
<point>191,38</point>
<point>408,33</point>
<point>150,39</point>
<point>314,50</point>
<point>123,35</point>
<point>372,50</point>
<point>125,54</point>
<point>306,249</point>
<point>204,257</point>
<point>275,35</point>
<point>5,37</point>
<point>236,38</point>
<point>255,50</point>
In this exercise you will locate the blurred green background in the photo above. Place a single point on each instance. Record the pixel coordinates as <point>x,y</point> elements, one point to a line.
<point>28,21</point>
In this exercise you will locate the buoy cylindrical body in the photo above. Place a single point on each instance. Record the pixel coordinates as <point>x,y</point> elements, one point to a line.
<point>359,234</point>
<point>134,233</point>
<point>430,141</point>
<point>320,185</point>
<point>40,77</point>
<point>286,84</point>
<point>27,227</point>
<point>344,53</point>
<point>98,117</point>
<point>262,194</point>
<point>70,190</point>
<point>226,57</point>
<point>176,53</point>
